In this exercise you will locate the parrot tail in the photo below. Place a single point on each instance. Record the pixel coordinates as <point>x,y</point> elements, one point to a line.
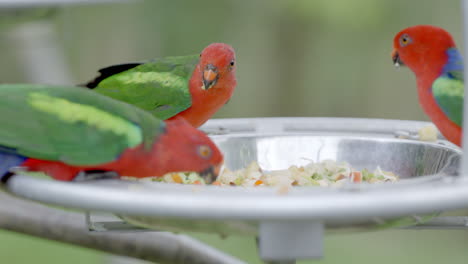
<point>109,71</point>
<point>8,161</point>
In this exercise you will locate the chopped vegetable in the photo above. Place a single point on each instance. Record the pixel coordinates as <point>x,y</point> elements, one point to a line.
<point>258,182</point>
<point>428,133</point>
<point>324,173</point>
<point>176,178</point>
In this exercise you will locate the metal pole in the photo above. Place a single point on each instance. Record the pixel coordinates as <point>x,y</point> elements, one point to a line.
<point>464,164</point>
<point>39,53</point>
<point>69,227</point>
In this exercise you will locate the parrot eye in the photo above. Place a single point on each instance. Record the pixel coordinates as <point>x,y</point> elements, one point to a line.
<point>232,63</point>
<point>405,40</point>
<point>204,151</point>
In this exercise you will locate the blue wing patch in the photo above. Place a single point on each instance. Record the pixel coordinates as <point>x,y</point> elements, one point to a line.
<point>7,161</point>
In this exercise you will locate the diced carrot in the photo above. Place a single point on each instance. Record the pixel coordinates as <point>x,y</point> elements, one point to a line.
<point>357,176</point>
<point>340,177</point>
<point>217,183</point>
<point>258,182</point>
<point>176,178</point>
<point>197,182</point>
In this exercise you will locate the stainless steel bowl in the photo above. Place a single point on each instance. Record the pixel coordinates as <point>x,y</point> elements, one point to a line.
<point>407,158</point>
<point>416,162</point>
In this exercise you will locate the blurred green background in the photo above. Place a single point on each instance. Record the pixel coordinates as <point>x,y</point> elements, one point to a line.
<point>294,58</point>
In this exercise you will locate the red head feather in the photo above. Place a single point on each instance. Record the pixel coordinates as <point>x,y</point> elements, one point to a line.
<point>423,49</point>
<point>212,83</point>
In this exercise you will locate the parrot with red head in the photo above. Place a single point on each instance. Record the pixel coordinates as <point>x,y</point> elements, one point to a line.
<point>192,87</point>
<point>72,134</point>
<point>430,52</point>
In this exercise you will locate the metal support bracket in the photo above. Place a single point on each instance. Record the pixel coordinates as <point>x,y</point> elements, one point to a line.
<point>97,222</point>
<point>286,241</point>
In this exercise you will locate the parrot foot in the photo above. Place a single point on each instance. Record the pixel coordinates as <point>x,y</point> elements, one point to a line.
<point>89,175</point>
<point>6,177</point>
<point>11,172</point>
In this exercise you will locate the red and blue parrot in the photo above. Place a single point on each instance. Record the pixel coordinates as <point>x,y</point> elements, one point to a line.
<point>430,52</point>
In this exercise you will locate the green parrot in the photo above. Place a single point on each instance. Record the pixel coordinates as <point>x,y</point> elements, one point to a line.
<point>65,132</point>
<point>191,87</point>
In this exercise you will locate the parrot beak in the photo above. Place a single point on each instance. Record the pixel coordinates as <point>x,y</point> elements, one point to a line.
<point>210,174</point>
<point>210,76</point>
<point>396,59</point>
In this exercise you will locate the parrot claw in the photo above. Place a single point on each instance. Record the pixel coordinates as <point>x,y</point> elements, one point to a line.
<point>6,177</point>
<point>11,172</point>
<point>89,175</point>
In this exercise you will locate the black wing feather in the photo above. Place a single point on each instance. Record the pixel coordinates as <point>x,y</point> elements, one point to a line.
<point>109,71</point>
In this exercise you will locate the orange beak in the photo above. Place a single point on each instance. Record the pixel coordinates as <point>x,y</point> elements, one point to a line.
<point>210,76</point>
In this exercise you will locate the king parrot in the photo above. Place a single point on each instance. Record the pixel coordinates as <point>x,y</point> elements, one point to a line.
<point>67,132</point>
<point>192,87</point>
<point>430,52</point>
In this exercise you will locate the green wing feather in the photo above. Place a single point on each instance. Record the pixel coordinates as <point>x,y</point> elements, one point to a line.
<point>448,93</point>
<point>159,86</point>
<point>75,126</point>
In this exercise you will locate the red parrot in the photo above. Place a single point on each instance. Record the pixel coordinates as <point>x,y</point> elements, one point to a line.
<point>430,52</point>
<point>193,87</point>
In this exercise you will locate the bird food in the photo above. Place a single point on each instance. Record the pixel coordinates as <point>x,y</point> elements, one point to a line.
<point>325,173</point>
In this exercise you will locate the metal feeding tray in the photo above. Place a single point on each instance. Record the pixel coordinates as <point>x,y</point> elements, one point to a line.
<point>298,217</point>
<point>289,142</point>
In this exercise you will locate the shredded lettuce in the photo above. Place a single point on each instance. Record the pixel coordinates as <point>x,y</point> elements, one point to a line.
<point>324,173</point>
